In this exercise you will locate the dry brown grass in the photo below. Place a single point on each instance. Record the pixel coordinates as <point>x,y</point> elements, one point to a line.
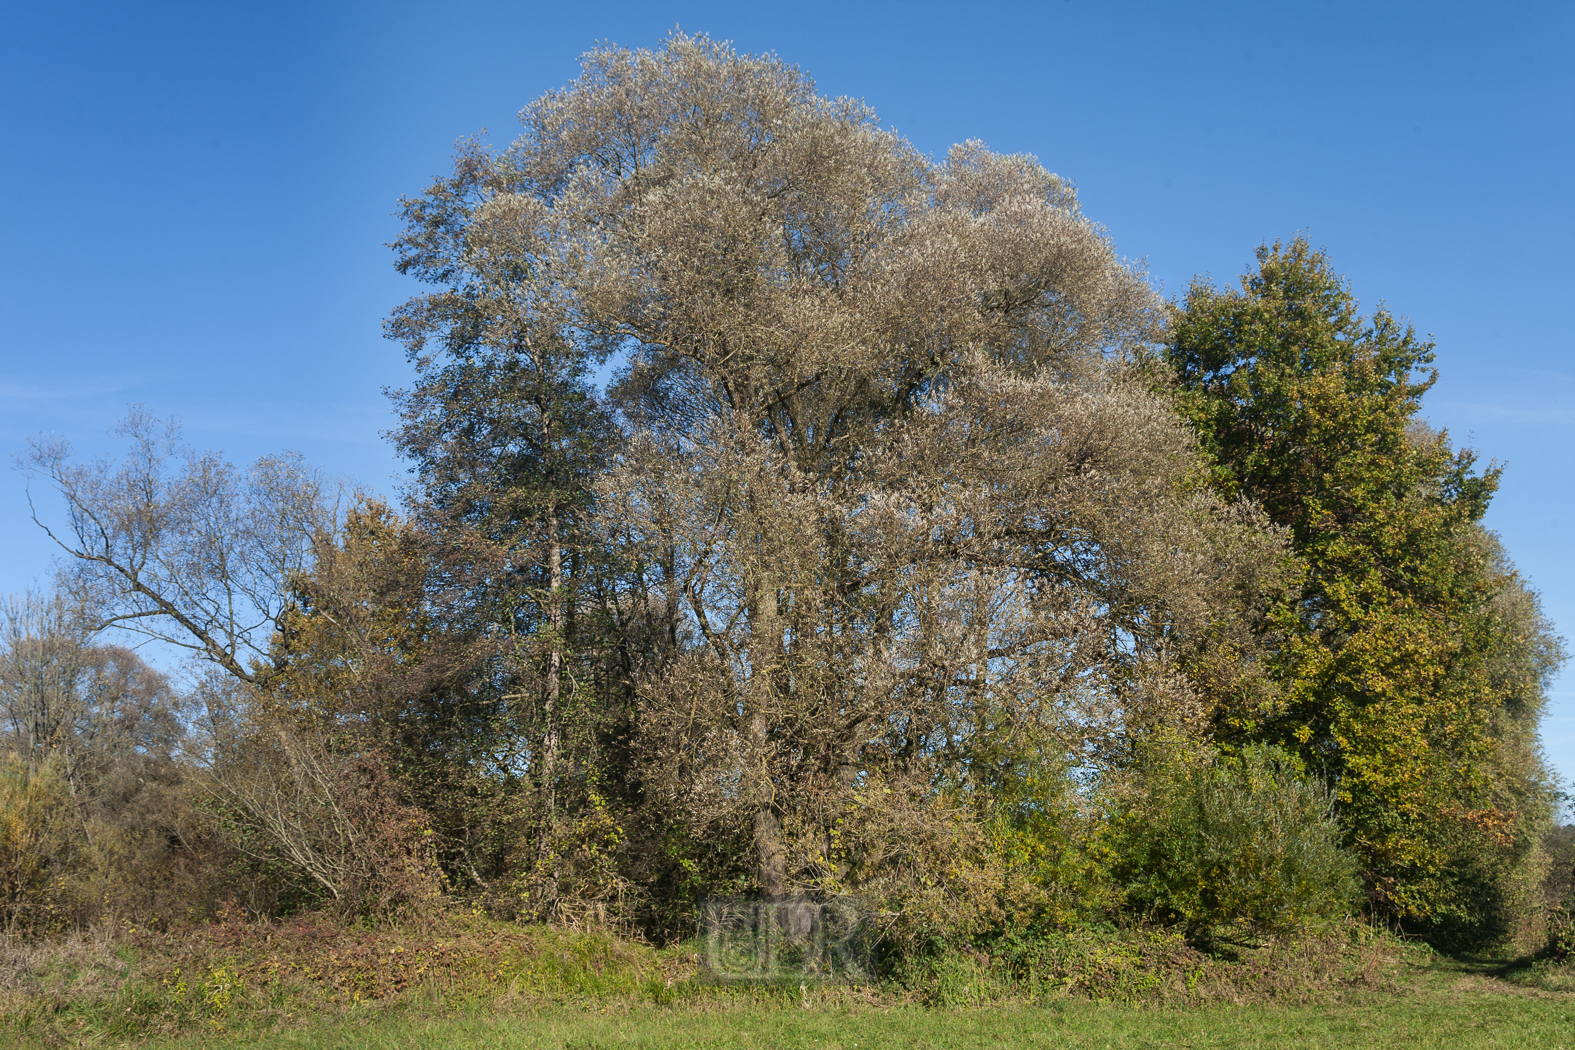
<point>133,983</point>
<point>84,967</point>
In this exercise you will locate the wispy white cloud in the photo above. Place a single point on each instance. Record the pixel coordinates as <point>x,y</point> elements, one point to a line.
<point>35,393</point>
<point>24,392</point>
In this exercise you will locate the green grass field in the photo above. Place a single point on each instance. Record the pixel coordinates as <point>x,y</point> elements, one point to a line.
<point>1479,1019</point>
<point>482,985</point>
<point>1444,1007</point>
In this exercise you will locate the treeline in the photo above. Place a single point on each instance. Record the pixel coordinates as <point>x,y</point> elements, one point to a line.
<point>916,551</point>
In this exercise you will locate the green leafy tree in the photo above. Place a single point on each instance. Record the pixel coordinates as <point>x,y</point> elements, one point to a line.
<point>1395,663</point>
<point>507,437</point>
<point>371,675</point>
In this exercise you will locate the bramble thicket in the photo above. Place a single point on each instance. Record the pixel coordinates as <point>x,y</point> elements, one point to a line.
<point>916,550</point>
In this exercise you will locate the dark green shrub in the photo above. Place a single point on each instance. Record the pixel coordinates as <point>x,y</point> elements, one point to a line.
<point>1561,935</point>
<point>1559,891</point>
<point>1245,843</point>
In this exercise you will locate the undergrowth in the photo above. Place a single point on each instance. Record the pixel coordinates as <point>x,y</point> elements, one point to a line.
<point>134,985</point>
<point>1155,965</point>
<point>249,975</point>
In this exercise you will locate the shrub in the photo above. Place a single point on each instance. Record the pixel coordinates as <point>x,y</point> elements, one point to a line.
<point>288,804</point>
<point>1244,843</point>
<point>1561,935</point>
<point>1110,964</point>
<point>36,842</point>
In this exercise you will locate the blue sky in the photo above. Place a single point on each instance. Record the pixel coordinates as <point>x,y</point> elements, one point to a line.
<point>197,196</point>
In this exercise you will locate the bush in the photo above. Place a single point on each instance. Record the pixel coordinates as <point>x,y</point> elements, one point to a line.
<point>1109,964</point>
<point>1561,935</point>
<point>36,844</point>
<point>1245,843</point>
<point>291,807</point>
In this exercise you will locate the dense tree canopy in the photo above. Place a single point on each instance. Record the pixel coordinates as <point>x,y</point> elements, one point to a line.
<point>885,464</point>
<point>915,550</point>
<point>1391,668</point>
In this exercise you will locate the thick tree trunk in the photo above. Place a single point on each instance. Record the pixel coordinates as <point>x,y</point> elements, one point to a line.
<point>771,853</point>
<point>770,848</point>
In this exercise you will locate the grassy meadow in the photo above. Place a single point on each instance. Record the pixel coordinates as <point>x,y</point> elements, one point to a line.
<point>476,983</point>
<point>1464,1020</point>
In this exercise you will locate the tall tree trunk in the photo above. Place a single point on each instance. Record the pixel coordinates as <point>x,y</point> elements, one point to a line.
<point>554,661</point>
<point>770,848</point>
<point>766,657</point>
<point>771,853</point>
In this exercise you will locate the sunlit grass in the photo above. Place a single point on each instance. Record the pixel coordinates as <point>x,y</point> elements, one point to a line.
<point>479,984</point>
<point>1479,1020</point>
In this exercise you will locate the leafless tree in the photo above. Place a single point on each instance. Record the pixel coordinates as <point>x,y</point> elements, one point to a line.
<point>333,818</point>
<point>85,703</point>
<point>44,659</point>
<point>182,547</point>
